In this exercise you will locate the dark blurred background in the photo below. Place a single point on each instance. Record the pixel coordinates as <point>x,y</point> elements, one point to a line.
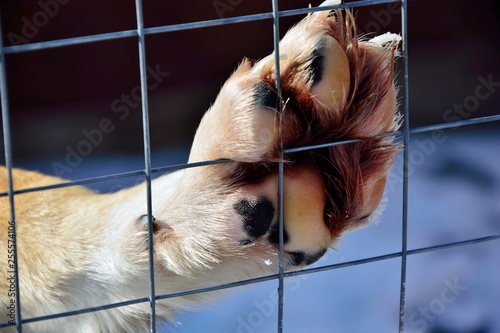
<point>56,94</point>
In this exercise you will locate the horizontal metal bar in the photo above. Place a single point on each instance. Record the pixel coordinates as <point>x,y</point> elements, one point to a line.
<point>170,168</point>
<point>265,278</point>
<point>208,23</point>
<point>455,244</point>
<point>397,134</point>
<point>78,182</point>
<point>455,124</point>
<point>69,41</point>
<point>356,4</point>
<point>176,27</point>
<point>395,255</point>
<point>256,17</point>
<point>79,312</point>
<point>126,174</point>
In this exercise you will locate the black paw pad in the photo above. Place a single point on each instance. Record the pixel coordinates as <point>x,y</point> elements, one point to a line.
<point>274,235</point>
<point>265,95</point>
<point>301,258</point>
<point>257,216</point>
<point>316,64</point>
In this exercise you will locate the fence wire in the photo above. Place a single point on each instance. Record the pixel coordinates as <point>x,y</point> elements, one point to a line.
<point>403,135</point>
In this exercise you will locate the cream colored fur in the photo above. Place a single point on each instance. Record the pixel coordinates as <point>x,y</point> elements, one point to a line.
<point>79,249</point>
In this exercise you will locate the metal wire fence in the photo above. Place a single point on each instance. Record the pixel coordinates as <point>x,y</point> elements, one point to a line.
<point>139,33</point>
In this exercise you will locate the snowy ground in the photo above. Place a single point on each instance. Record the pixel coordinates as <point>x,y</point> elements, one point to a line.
<point>454,195</point>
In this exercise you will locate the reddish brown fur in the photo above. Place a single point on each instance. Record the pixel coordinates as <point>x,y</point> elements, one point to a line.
<point>346,167</point>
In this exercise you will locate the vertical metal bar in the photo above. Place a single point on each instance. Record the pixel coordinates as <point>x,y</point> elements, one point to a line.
<point>406,129</point>
<point>12,233</point>
<point>147,158</point>
<point>281,277</point>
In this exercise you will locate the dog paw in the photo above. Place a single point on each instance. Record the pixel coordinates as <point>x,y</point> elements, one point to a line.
<point>334,87</point>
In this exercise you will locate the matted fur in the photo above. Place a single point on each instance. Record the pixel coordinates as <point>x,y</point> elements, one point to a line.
<point>217,224</point>
<point>305,120</point>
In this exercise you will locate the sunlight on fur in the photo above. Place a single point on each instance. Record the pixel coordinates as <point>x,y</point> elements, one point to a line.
<point>219,223</point>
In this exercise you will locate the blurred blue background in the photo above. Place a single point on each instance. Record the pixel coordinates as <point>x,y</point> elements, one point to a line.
<point>58,96</point>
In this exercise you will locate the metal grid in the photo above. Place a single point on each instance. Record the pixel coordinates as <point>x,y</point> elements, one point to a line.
<point>404,135</point>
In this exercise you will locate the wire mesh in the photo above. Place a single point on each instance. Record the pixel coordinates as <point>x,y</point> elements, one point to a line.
<point>140,32</point>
